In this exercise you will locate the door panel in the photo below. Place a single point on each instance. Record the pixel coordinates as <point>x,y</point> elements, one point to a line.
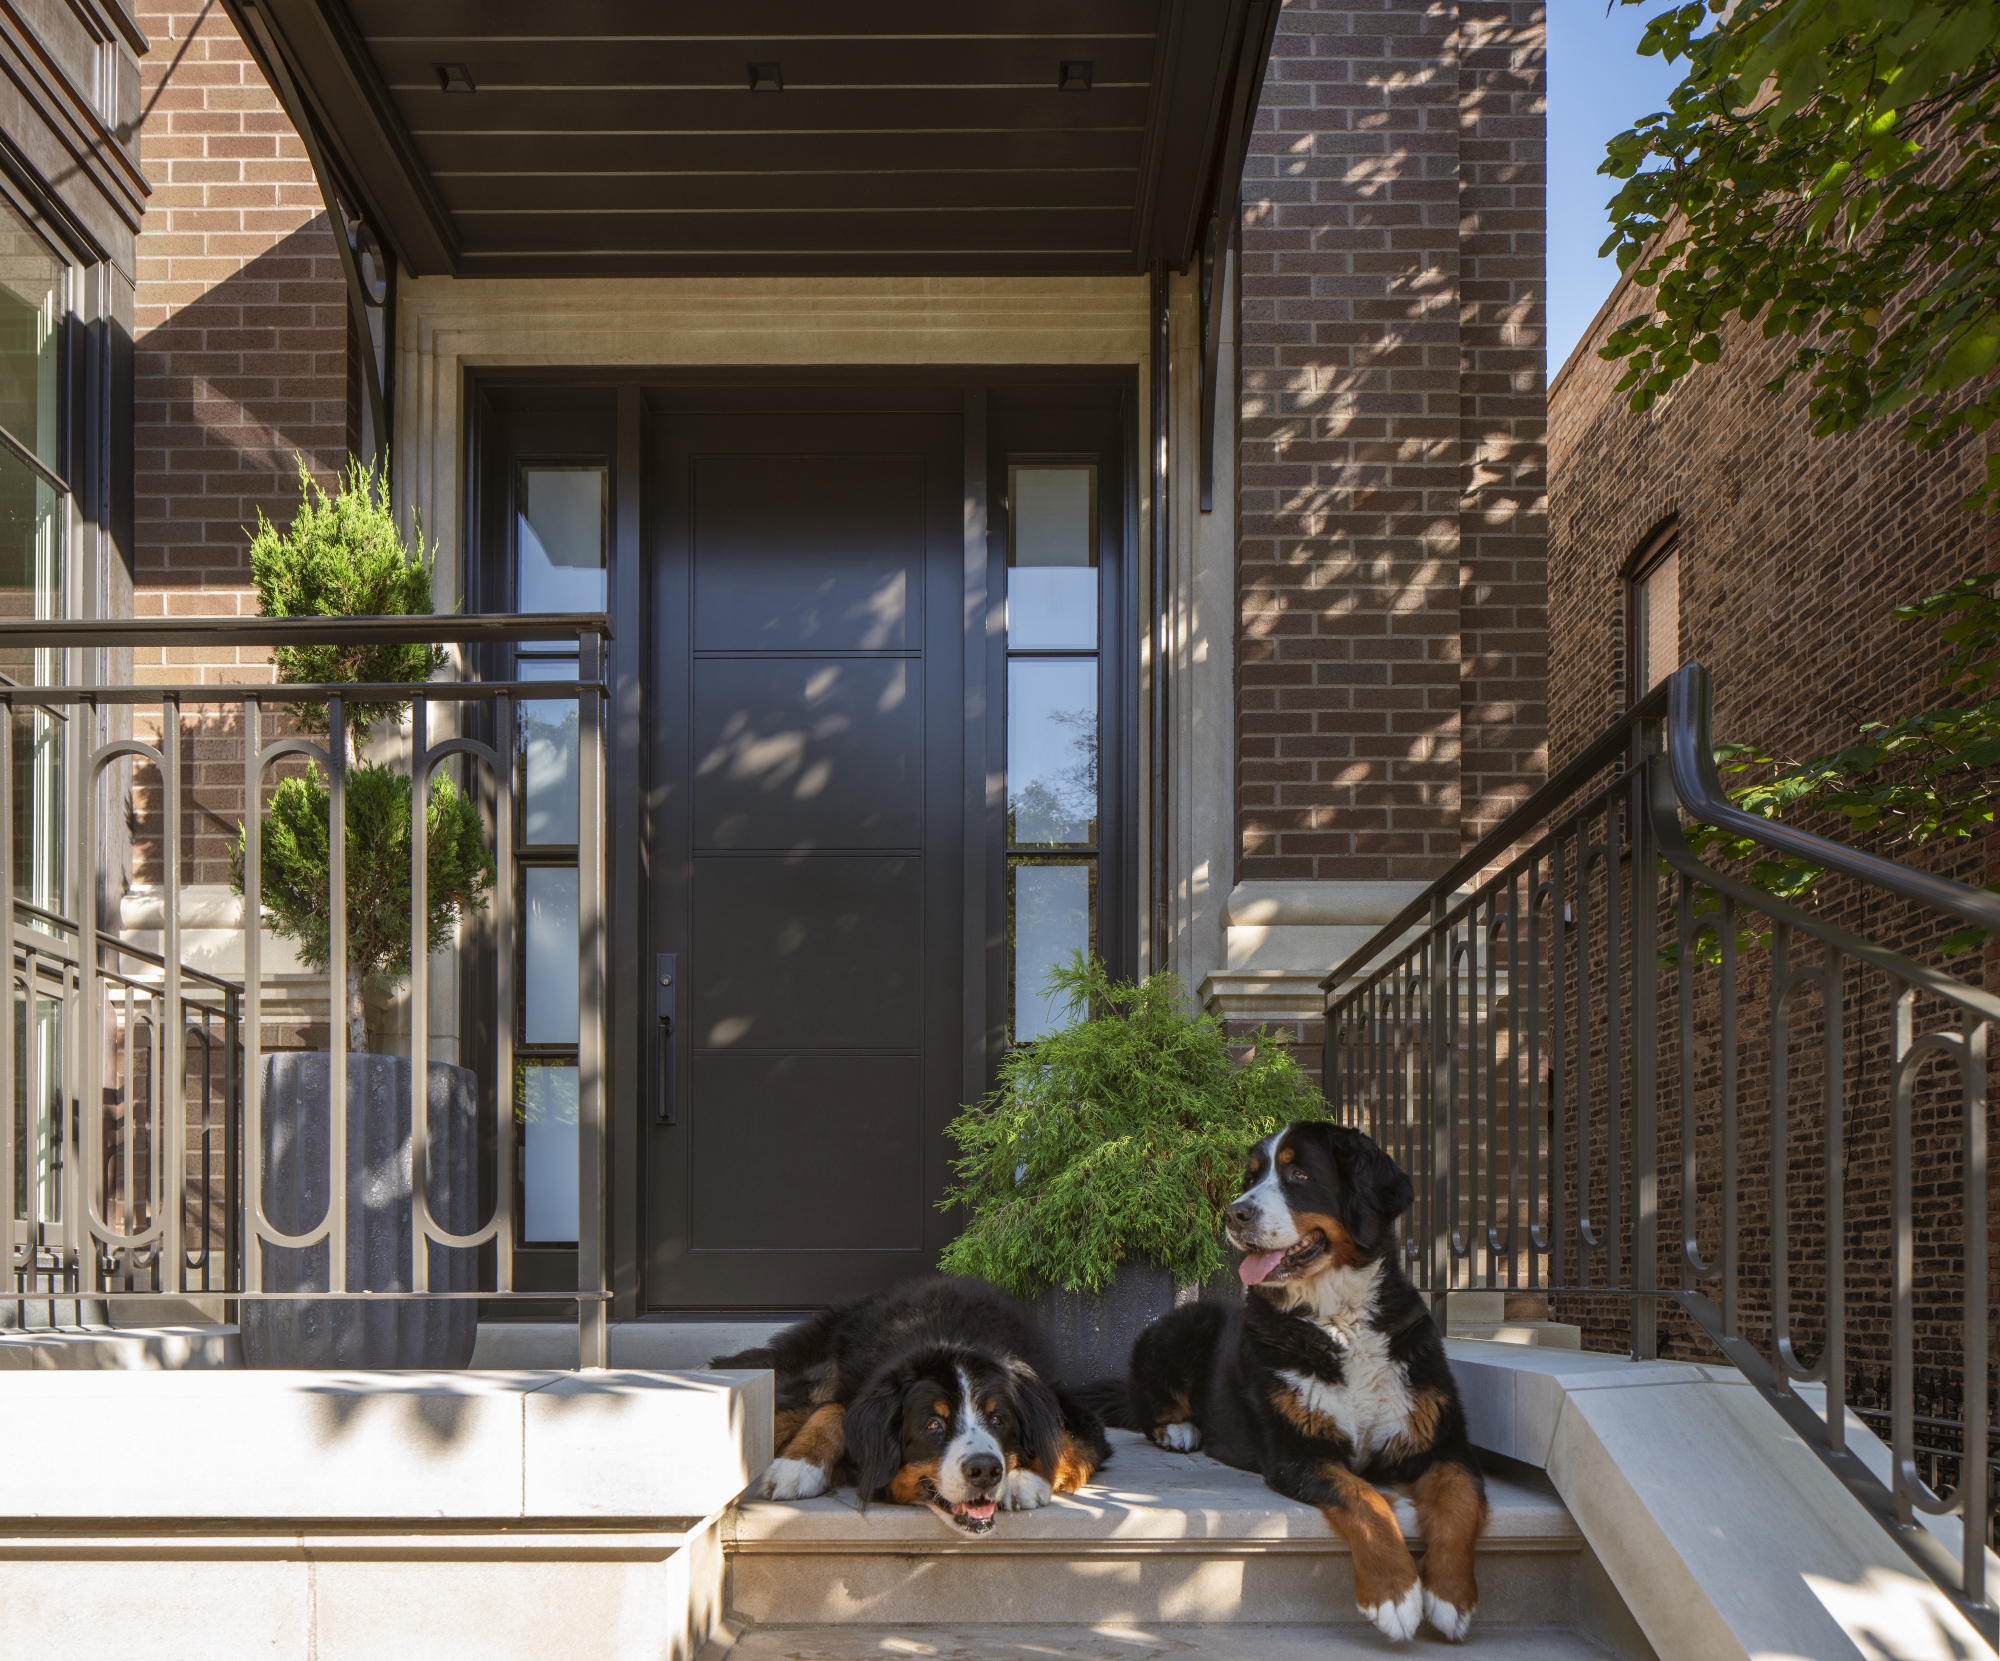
<point>806,846</point>
<point>794,1119</point>
<point>808,551</point>
<point>819,953</point>
<point>806,753</point>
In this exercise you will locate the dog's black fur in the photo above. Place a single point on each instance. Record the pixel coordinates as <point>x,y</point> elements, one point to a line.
<point>1216,1375</point>
<point>885,1363</point>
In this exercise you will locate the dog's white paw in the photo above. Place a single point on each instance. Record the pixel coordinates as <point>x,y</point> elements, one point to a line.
<point>793,1479</point>
<point>1398,1621</point>
<point>1180,1438</point>
<point>1026,1491</point>
<point>1448,1618</point>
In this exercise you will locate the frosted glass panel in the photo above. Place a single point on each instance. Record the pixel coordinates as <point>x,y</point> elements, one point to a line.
<point>1052,750</point>
<point>1052,558</point>
<point>1051,920</point>
<point>561,539</point>
<point>550,987</point>
<point>548,1157</point>
<point>548,743</point>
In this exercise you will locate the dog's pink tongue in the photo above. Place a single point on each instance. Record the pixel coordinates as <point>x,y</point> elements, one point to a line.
<point>1257,1265</point>
<point>980,1510</point>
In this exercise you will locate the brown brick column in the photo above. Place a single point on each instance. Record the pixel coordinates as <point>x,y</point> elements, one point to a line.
<point>1392,587</point>
<point>241,326</point>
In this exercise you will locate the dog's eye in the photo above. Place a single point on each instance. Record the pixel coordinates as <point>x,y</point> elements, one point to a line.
<point>935,1427</point>
<point>1298,1175</point>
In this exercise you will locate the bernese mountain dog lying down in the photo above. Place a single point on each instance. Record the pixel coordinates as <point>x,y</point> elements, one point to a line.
<point>1330,1380</point>
<point>933,1393</point>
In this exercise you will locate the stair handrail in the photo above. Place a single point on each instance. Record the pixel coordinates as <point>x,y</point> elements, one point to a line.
<point>1413,1022</point>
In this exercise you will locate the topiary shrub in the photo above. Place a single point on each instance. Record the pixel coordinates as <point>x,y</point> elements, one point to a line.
<point>343,556</point>
<point>1120,1137</point>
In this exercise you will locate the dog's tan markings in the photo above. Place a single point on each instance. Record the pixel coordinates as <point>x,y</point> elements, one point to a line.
<point>941,1408</point>
<point>1074,1466</point>
<point>1286,1156</point>
<point>1384,1570</point>
<point>828,1387</point>
<point>820,1440</point>
<point>1176,1410</point>
<point>1420,1429</point>
<point>1450,1512</point>
<point>905,1487</point>
<point>1302,1416</point>
<point>786,1423</point>
<point>1341,1251</point>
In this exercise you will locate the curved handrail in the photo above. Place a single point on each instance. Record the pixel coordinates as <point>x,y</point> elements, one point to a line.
<point>1697,784</point>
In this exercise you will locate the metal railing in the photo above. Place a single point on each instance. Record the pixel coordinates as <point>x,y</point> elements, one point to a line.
<point>1559,1041</point>
<point>123,1202</point>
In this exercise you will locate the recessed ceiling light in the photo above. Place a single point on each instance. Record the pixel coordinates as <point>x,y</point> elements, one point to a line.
<point>1075,75</point>
<point>454,77</point>
<point>765,77</point>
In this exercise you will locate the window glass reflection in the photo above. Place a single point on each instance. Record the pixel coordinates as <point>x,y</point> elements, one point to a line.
<point>1051,920</point>
<point>561,539</point>
<point>1052,557</point>
<point>548,745</point>
<point>1052,751</point>
<point>549,988</point>
<point>548,1162</point>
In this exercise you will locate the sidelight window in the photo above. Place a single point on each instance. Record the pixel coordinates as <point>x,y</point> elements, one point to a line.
<point>1653,614</point>
<point>1054,808</point>
<point>560,540</point>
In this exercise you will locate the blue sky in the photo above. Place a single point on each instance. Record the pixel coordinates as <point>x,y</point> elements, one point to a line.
<point>1598,86</point>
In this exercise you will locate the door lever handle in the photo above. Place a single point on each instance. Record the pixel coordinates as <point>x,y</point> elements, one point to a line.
<point>665,1059</point>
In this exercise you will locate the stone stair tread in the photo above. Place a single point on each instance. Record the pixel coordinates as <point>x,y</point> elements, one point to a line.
<point>1137,1643</point>
<point>1143,1494</point>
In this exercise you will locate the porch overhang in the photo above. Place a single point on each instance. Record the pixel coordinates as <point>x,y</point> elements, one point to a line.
<point>629,137</point>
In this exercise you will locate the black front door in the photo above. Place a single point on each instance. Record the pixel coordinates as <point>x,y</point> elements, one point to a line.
<point>804,837</point>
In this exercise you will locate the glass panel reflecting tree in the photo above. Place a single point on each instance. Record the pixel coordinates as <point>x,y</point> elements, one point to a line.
<point>559,565</point>
<point>1053,716</point>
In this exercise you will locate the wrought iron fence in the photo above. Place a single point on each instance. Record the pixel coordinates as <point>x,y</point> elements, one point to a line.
<point>1577,1037</point>
<point>126,1184</point>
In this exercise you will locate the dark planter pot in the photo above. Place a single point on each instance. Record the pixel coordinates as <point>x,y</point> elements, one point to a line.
<point>1091,1333</point>
<point>365,1332</point>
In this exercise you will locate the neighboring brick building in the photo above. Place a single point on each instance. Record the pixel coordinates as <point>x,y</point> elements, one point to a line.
<point>1789,552</point>
<point>241,328</point>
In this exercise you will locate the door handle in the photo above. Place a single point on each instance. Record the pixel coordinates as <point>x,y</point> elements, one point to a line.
<point>665,991</point>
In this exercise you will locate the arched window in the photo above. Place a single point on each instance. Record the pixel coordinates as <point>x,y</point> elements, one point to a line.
<point>1653,613</point>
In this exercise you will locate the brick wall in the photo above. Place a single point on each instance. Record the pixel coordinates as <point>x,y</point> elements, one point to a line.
<point>1792,552</point>
<point>241,327</point>
<point>1391,470</point>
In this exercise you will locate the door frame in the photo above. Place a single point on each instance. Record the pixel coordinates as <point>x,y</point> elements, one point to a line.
<point>979,391</point>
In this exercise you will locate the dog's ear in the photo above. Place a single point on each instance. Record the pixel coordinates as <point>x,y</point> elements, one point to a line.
<point>1041,1417</point>
<point>1377,1190</point>
<point>873,1432</point>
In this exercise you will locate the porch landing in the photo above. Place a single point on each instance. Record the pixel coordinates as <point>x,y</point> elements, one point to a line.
<point>1161,1543</point>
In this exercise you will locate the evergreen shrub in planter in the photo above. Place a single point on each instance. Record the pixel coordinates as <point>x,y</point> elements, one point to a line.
<point>1096,1174</point>
<point>344,556</point>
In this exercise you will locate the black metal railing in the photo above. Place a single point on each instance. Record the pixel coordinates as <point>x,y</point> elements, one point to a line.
<point>1584,1044</point>
<point>123,1184</point>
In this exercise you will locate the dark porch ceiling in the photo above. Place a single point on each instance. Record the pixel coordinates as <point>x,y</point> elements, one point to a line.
<point>915,136</point>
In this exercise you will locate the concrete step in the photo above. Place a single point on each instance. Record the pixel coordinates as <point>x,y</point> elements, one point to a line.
<point>648,1345</point>
<point>1132,1643</point>
<point>120,1349</point>
<point>1160,1537</point>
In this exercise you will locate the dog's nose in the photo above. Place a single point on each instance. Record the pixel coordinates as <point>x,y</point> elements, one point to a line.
<point>1242,1212</point>
<point>982,1470</point>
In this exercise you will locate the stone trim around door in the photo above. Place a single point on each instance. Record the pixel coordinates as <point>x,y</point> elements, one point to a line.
<point>445,326</point>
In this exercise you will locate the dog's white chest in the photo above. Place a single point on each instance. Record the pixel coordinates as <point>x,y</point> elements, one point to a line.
<point>1371,1404</point>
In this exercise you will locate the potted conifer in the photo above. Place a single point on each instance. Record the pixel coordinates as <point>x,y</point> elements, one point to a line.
<point>343,555</point>
<point>1096,1174</point>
